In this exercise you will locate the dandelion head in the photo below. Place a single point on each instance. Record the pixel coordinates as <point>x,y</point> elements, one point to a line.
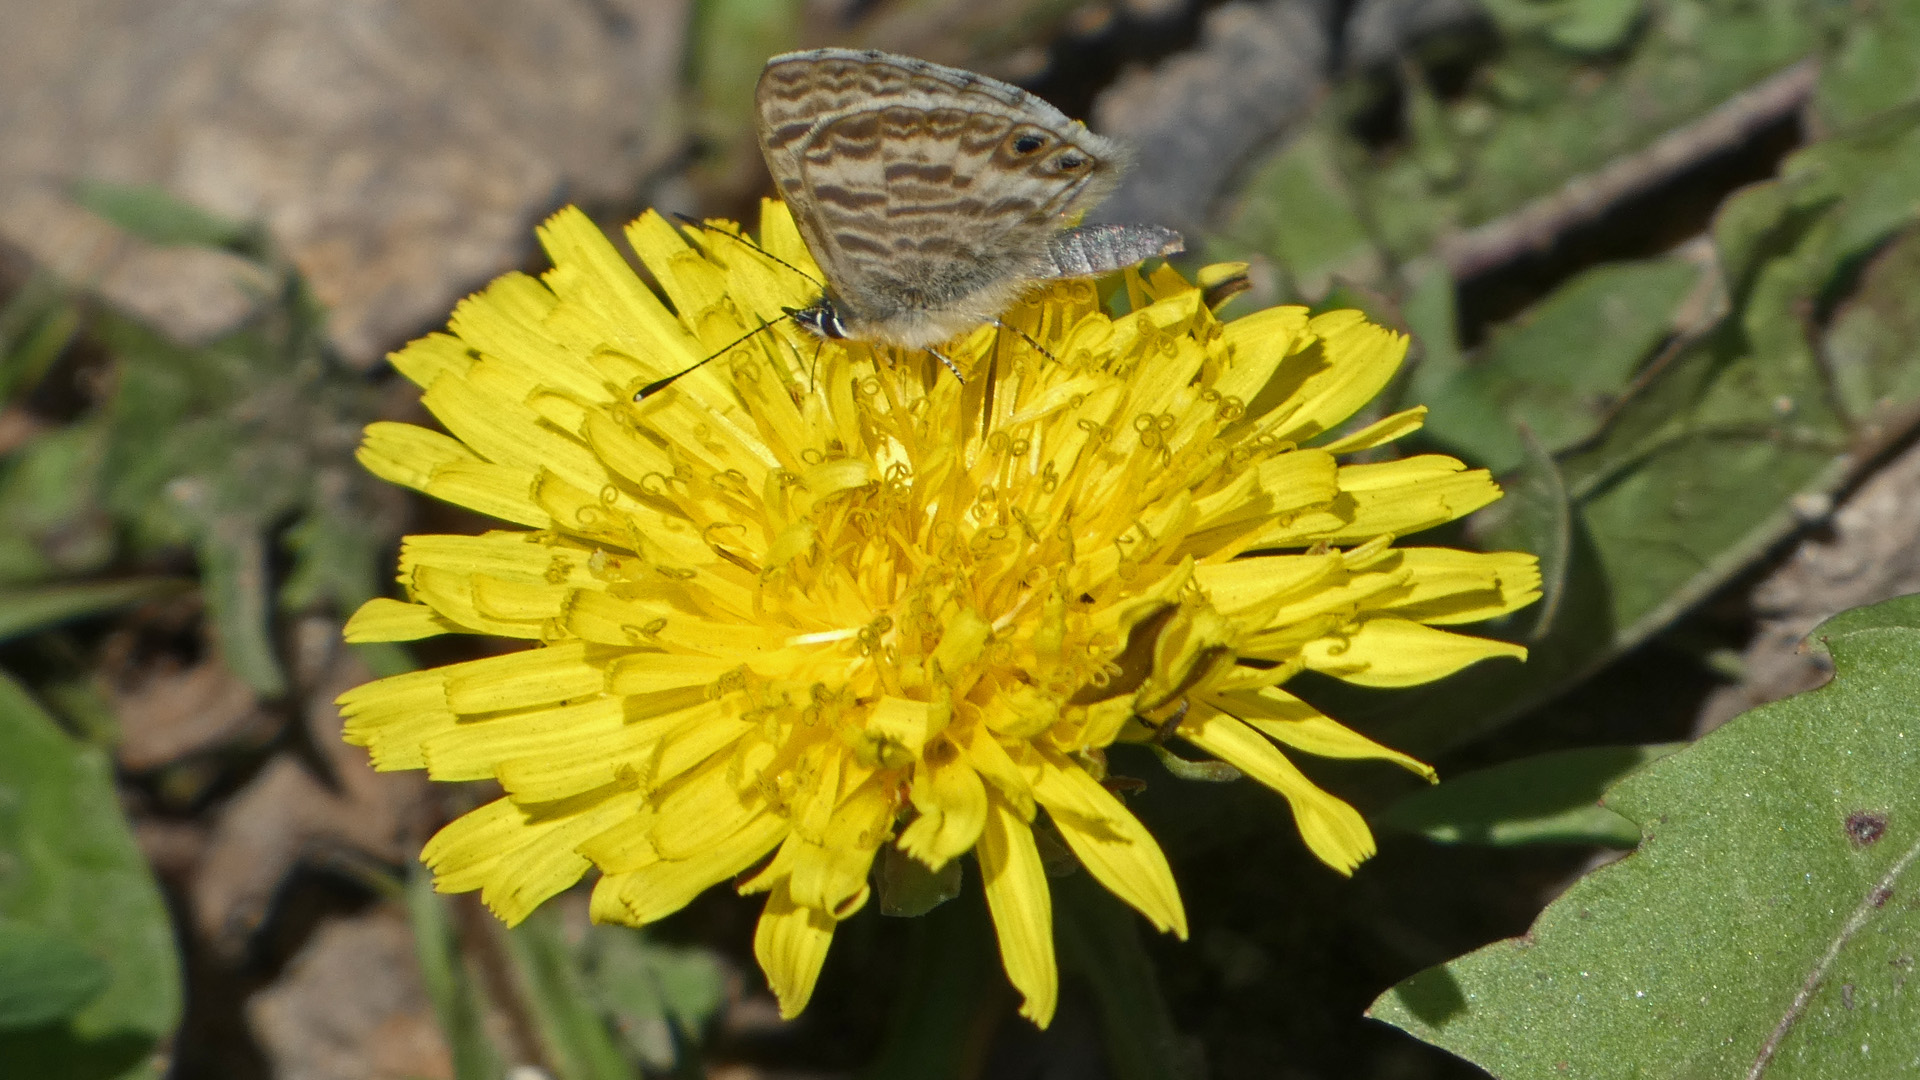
<point>817,597</point>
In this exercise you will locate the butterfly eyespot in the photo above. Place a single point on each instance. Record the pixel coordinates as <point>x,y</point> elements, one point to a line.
<point>1027,144</point>
<point>1070,163</point>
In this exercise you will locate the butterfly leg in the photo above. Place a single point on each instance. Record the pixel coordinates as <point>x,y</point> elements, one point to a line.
<point>1042,349</point>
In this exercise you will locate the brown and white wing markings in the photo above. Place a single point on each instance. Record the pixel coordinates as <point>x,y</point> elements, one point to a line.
<point>931,196</point>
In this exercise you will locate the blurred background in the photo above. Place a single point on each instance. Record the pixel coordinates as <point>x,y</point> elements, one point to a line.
<point>1661,259</point>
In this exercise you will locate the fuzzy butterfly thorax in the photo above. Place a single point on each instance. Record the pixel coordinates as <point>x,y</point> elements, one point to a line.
<point>933,198</point>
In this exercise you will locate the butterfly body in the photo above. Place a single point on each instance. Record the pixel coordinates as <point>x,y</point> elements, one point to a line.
<point>933,198</point>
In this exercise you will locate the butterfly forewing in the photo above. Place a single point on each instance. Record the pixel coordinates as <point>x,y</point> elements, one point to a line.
<point>931,197</point>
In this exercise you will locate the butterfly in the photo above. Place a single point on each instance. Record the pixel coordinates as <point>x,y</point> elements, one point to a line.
<point>932,198</point>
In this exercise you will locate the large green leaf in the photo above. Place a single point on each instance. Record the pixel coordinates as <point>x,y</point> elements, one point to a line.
<point>45,977</point>
<point>69,867</point>
<point>1766,922</point>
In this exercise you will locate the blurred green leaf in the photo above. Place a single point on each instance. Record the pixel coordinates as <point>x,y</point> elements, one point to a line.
<point>1702,465</point>
<point>45,977</point>
<point>657,997</point>
<point>233,567</point>
<point>36,325</point>
<point>1759,928</point>
<point>731,42</point>
<point>1585,26</point>
<point>1428,312</point>
<point>27,611</point>
<point>1869,345</point>
<point>50,522</point>
<point>547,970</point>
<point>70,867</point>
<point>1872,72</point>
<point>1560,367</point>
<point>457,1001</point>
<point>1546,799</point>
<point>152,214</point>
<point>1299,209</point>
<point>220,447</point>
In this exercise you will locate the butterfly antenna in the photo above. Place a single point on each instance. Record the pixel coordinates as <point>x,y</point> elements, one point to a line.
<point>696,223</point>
<point>658,385</point>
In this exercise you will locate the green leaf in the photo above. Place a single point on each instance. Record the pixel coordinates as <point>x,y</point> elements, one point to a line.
<point>233,567</point>
<point>69,866</point>
<point>1428,311</point>
<point>656,996</point>
<point>1869,344</point>
<point>50,523</point>
<point>1766,923</point>
<point>36,325</point>
<point>1546,799</point>
<point>1301,211</point>
<point>44,976</point>
<point>1876,68</point>
<point>456,997</point>
<point>1559,368</point>
<point>152,214</point>
<point>27,611</point>
<point>548,972</point>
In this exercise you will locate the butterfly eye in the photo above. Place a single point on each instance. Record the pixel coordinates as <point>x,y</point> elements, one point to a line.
<point>1027,144</point>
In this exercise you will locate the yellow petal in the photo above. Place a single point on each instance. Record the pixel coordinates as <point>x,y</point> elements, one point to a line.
<point>408,454</point>
<point>1361,359</point>
<point>381,619</point>
<point>1380,432</point>
<point>1285,718</point>
<point>474,749</point>
<point>515,859</point>
<point>1333,831</point>
<point>426,359</point>
<point>1022,907</point>
<point>589,271</point>
<point>952,804</point>
<point>1396,652</point>
<point>1448,587</point>
<point>1111,843</point>
<point>655,890</point>
<point>393,716</point>
<point>524,679</point>
<point>791,943</point>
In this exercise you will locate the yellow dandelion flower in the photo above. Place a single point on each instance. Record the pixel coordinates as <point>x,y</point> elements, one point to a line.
<point>817,597</point>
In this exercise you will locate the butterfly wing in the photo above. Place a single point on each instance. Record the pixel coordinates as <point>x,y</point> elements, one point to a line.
<point>928,195</point>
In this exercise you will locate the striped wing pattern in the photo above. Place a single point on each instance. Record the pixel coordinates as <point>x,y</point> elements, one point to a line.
<point>930,196</point>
